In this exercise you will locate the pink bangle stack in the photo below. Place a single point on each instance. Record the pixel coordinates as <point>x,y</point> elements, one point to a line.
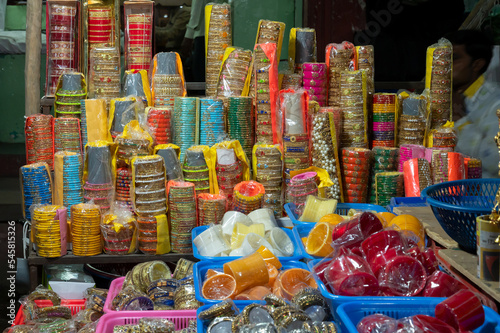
<point>314,81</point>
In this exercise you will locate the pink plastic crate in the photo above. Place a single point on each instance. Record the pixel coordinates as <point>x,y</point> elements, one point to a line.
<point>114,288</point>
<point>110,320</point>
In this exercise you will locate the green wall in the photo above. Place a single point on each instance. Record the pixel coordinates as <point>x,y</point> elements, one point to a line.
<point>12,96</point>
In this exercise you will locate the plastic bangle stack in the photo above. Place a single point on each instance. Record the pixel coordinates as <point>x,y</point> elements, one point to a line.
<point>67,135</point>
<point>39,139</point>
<point>263,121</point>
<point>340,59</point>
<point>100,26</point>
<point>227,177</point>
<point>36,186</point>
<point>62,42</point>
<point>184,296</point>
<point>234,73</point>
<point>388,185</point>
<point>159,121</point>
<point>324,150</point>
<point>98,187</point>
<point>218,39</point>
<point>474,168</point>
<point>247,196</point>
<point>130,148</point>
<point>444,138</point>
<point>417,176</point>
<point>411,130</point>
<point>69,171</point>
<point>385,159</point>
<point>122,186</point>
<point>167,83</point>
<point>269,173</point>
<point>409,151</point>
<point>295,154</point>
<point>240,120</point>
<point>355,174</point>
<point>447,166</point>
<point>147,240</point>
<point>182,211</point>
<point>149,185</point>
<point>47,231</point>
<point>212,126</point>
<point>117,238</point>
<point>384,118</point>
<point>138,43</point>
<point>85,230</point>
<point>70,91</point>
<point>196,170</point>
<point>352,102</point>
<point>185,124</point>
<point>366,61</point>
<point>211,208</point>
<point>314,81</point>
<point>300,187</point>
<point>104,73</point>
<point>440,85</point>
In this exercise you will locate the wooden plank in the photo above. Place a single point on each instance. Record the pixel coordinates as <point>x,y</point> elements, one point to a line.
<point>466,264</point>
<point>33,52</point>
<point>431,224</point>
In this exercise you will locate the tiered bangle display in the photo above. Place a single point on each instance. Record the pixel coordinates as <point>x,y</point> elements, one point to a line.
<point>70,91</point>
<point>182,212</point>
<point>39,139</point>
<point>218,38</point>
<point>167,82</point>
<point>339,58</point>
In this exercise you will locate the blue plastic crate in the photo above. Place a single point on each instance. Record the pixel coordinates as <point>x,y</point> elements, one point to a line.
<point>336,300</point>
<point>407,202</point>
<point>200,269</point>
<point>300,231</point>
<point>297,253</point>
<point>350,314</point>
<point>342,209</point>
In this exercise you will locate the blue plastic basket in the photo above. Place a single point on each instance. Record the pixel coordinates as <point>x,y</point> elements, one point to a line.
<point>300,231</point>
<point>342,209</point>
<point>336,300</point>
<point>350,314</point>
<point>406,202</point>
<point>297,253</point>
<point>456,205</point>
<point>200,269</point>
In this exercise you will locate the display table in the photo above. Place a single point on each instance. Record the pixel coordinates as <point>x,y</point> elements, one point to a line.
<point>36,263</point>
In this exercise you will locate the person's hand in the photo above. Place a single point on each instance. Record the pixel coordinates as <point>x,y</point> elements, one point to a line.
<point>186,47</point>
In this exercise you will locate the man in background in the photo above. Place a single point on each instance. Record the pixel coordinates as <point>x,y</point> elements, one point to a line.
<point>475,117</point>
<point>193,45</point>
<point>171,27</point>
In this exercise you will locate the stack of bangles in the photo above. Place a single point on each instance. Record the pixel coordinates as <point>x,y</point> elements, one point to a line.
<point>355,174</point>
<point>247,196</point>
<point>269,173</point>
<point>295,154</point>
<point>129,148</point>
<point>182,210</point>
<point>47,231</point>
<point>117,235</point>
<point>211,208</point>
<point>149,185</point>
<point>195,170</point>
<point>300,187</point>
<point>227,177</point>
<point>85,229</point>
